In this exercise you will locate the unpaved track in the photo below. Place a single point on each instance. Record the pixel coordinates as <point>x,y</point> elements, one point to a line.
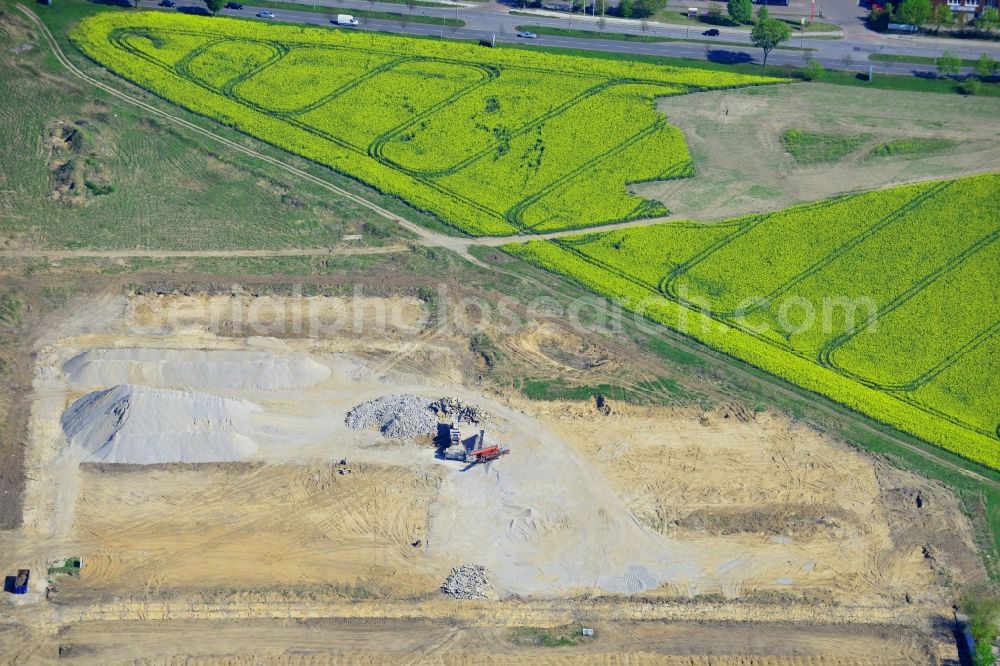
<point>461,246</point>
<point>167,254</point>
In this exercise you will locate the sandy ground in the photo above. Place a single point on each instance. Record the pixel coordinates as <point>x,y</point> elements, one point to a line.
<point>328,642</point>
<point>742,168</point>
<point>670,504</point>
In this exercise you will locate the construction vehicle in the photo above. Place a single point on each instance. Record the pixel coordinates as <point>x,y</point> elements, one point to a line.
<point>482,454</point>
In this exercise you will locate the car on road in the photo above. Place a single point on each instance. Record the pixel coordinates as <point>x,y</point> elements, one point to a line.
<point>711,32</point>
<point>265,14</point>
<point>168,3</point>
<point>527,35</point>
<point>234,5</point>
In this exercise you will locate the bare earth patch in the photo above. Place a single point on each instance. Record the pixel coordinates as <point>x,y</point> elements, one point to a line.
<point>741,166</point>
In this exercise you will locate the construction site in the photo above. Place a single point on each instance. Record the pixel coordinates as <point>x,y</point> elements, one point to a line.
<point>364,497</point>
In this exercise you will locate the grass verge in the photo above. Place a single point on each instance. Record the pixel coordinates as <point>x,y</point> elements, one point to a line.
<point>564,636</point>
<point>624,37</point>
<point>659,391</point>
<point>834,77</point>
<point>917,60</point>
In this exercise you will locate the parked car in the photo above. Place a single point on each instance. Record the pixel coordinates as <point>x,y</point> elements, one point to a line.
<point>168,3</point>
<point>233,5</point>
<point>265,14</point>
<point>527,35</point>
<point>711,32</point>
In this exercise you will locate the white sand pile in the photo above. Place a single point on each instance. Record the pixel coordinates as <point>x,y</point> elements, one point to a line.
<point>181,368</point>
<point>397,416</point>
<point>141,425</point>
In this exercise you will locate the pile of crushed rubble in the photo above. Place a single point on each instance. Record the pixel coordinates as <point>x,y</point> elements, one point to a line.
<point>404,415</point>
<point>469,581</point>
<point>460,412</point>
<point>397,416</point>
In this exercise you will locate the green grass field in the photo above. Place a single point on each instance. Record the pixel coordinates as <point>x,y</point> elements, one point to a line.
<point>83,171</point>
<point>884,301</point>
<point>815,147</point>
<point>492,141</point>
<point>910,146</point>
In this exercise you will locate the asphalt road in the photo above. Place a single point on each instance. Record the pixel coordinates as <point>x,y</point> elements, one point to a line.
<point>484,21</point>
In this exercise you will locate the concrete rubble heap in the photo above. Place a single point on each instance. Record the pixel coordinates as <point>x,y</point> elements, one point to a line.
<point>405,416</point>
<point>469,581</point>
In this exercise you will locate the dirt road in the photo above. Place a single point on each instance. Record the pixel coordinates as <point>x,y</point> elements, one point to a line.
<point>167,254</point>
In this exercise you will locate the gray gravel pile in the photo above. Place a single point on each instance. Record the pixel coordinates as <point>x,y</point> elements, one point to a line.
<point>397,416</point>
<point>469,581</point>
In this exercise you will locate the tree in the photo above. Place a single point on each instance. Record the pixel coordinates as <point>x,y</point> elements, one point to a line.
<point>941,16</point>
<point>769,33</point>
<point>763,13</point>
<point>625,8</point>
<point>214,6</point>
<point>813,71</point>
<point>989,19</point>
<point>913,12</point>
<point>879,19</point>
<point>714,13</point>
<point>986,66</point>
<point>411,5</point>
<point>645,8</point>
<point>740,11</point>
<point>949,63</point>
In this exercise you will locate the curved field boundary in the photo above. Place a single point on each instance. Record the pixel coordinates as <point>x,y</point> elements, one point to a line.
<point>514,214</point>
<point>644,209</point>
<point>906,394</point>
<point>182,66</point>
<point>942,365</point>
<point>352,83</point>
<point>826,356</point>
<point>827,259</point>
